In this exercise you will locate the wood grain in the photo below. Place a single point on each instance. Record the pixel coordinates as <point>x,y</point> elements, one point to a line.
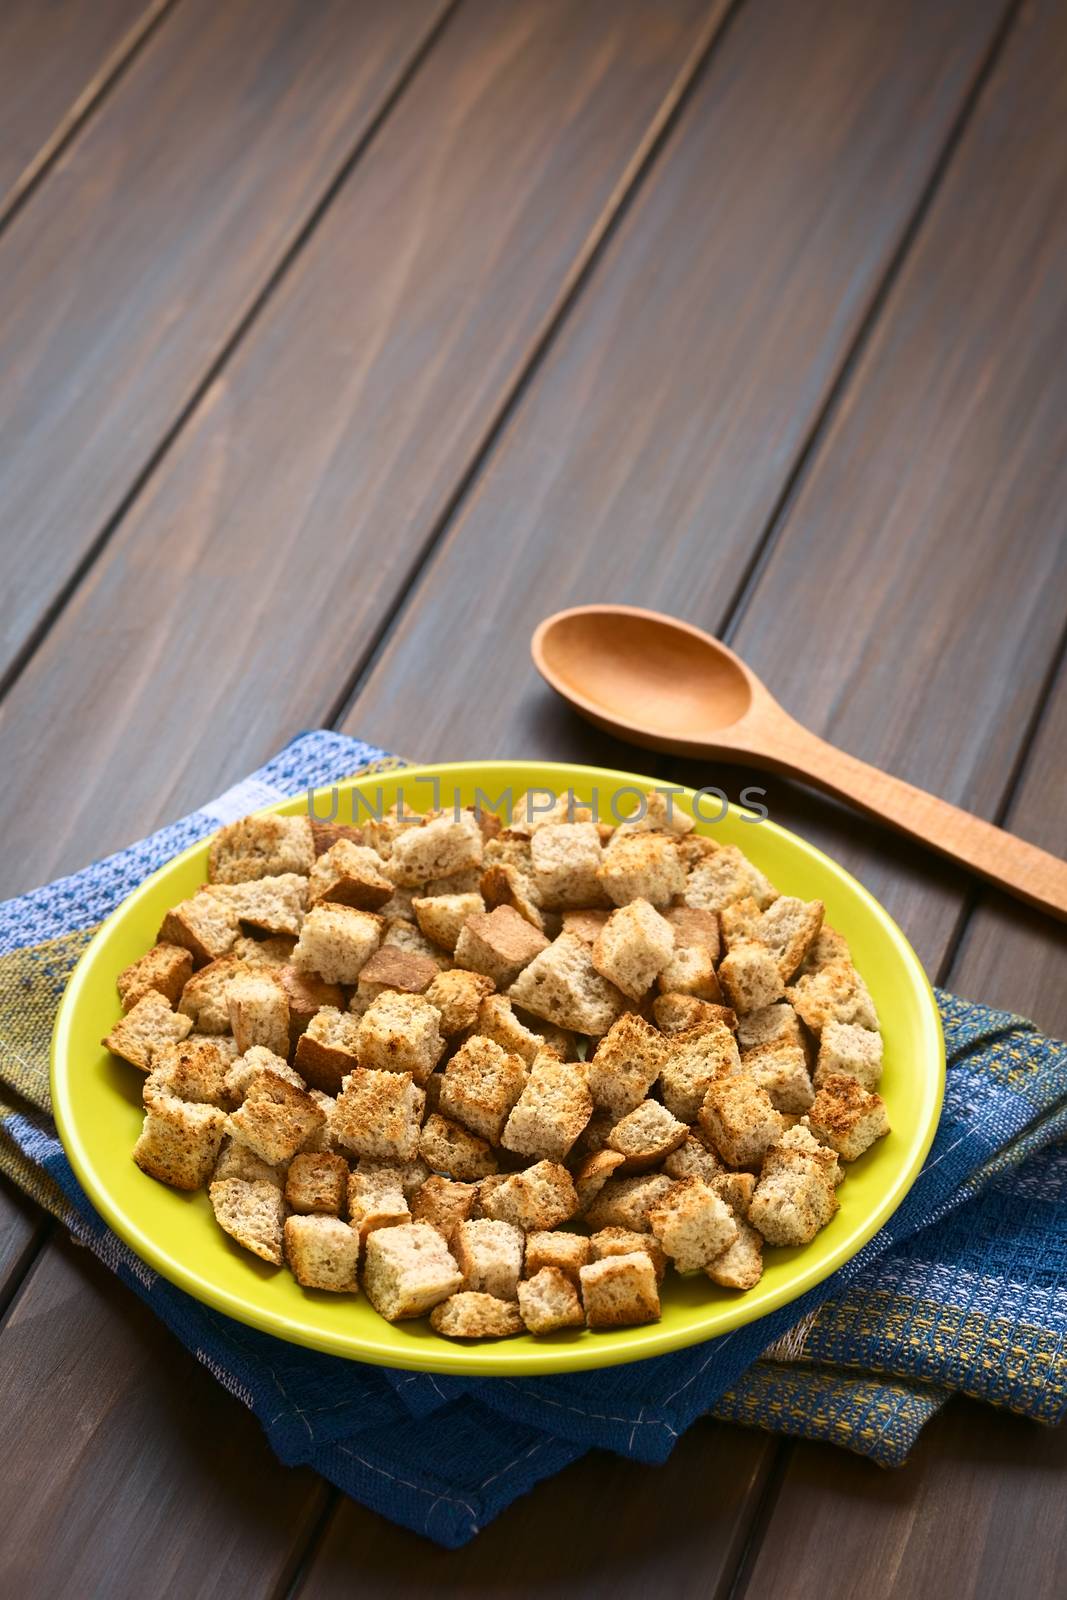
<point>122,279</point>
<point>22,1230</point>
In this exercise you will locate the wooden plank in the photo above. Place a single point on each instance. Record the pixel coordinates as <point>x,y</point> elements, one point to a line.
<point>262,554</point>
<point>22,1230</point>
<point>124,276</point>
<point>54,60</point>
<point>136,1472</point>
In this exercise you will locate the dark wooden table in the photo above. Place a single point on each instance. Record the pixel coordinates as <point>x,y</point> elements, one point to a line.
<point>340,340</point>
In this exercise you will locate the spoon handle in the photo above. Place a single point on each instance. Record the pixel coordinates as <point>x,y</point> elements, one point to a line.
<point>1020,868</point>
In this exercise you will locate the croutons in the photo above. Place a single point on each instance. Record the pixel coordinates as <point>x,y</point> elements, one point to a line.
<point>204,997</point>
<point>336,942</point>
<point>626,1063</point>
<point>194,1070</point>
<point>563,986</point>
<point>166,969</point>
<point>253,1213</point>
<point>643,866</point>
<point>350,875</point>
<point>623,1242</point>
<point>448,1147</point>
<point>696,1058</point>
<point>550,1113</point>
<point>634,946</point>
<point>274,1119</point>
<point>323,1253</point>
<point>498,944</point>
<point>376,1198</point>
<point>676,1013</point>
<point>793,1199</point>
<point>565,858</point>
<point>481,1084</point>
<point>441,917</point>
<point>435,848</point>
<point>395,967</point>
<point>773,1024</point>
<point>846,1117</point>
<point>471,1315</point>
<point>258,1012</point>
<point>270,905</point>
<point>317,1183</point>
<point>489,1255</point>
<point>789,928</point>
<point>206,925</point>
<point>148,1026</point>
<point>854,1051</point>
<point>456,997</point>
<point>549,1301</point>
<point>179,1141</point>
<point>750,977</point>
<point>740,1266</point>
<point>261,847</point>
<point>247,1068</point>
<point>692,1224</point>
<point>497,1021</point>
<point>238,1161</point>
<point>835,993</point>
<point>378,1115</point>
<point>593,1172</point>
<point>540,1197</point>
<point>693,926</point>
<point>691,970</point>
<point>626,1202</point>
<point>645,1136</point>
<point>565,1252</point>
<point>328,1049</point>
<point>306,995</point>
<point>781,1069</point>
<point>740,1120</point>
<point>693,1159</point>
<point>443,1203</point>
<point>719,879</point>
<point>620,1291</point>
<point>400,1033</point>
<point>408,1270</point>
<point>326,834</point>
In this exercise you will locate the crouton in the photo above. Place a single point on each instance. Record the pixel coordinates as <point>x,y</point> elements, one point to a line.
<point>846,1117</point>
<point>378,1115</point>
<point>789,928</point>
<point>328,1048</point>
<point>693,926</point>
<point>854,1051</point>
<point>626,1063</point>
<point>238,1161</point>
<point>800,1137</point>
<point>247,1068</point>
<point>403,933</point>
<point>498,944</point>
<point>691,970</point>
<point>643,866</point>
<point>565,858</point>
<point>435,849</point>
<point>147,1027</point>
<point>593,1171</point>
<point>259,1012</point>
<point>740,1120</point>
<point>274,1119</point>
<point>626,1202</point>
<point>550,1113</point>
<point>165,970</point>
<point>376,1198</point>
<point>620,1291</point>
<point>696,1058</point>
<point>179,1142</point>
<point>740,921</point>
<point>307,996</point>
<point>489,1255</point>
<point>449,1147</point>
<point>774,1024</point>
<point>408,1270</point>
<point>676,1013</point>
<point>326,834</point>
<point>693,1159</point>
<point>540,808</point>
<point>781,1069</point>
<point>505,885</point>
<point>740,1266</point>
<point>724,877</point>
<point>251,1212</point>
<point>563,1252</point>
<point>470,1315</point>
<point>400,1033</point>
<point>270,905</point>
<point>793,1198</point>
<point>393,968</point>
<point>350,875</point>
<point>538,1198</point>
<point>829,945</point>
<point>441,917</point>
<point>481,1084</point>
<point>735,1188</point>
<point>633,948</point>
<point>443,1203</point>
<point>206,925</point>
<point>497,1021</point>
<point>658,812</point>
<point>204,997</point>
<point>692,1224</point>
<point>585,925</point>
<point>261,847</point>
<point>835,993</point>
<point>749,977</point>
<point>323,1253</point>
<point>456,997</point>
<point>194,1070</point>
<point>563,986</point>
<point>549,1300</point>
<point>317,1183</point>
<point>623,1242</point>
<point>645,1136</point>
<point>336,942</point>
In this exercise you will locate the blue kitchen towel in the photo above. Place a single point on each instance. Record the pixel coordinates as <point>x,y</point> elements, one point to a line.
<point>964,1290</point>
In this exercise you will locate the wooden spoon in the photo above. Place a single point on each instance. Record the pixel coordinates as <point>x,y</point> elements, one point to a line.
<point>662,683</point>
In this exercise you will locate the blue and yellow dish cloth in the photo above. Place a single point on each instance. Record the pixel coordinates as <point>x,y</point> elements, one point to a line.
<point>963,1291</point>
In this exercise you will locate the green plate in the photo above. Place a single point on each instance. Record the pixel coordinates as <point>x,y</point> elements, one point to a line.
<point>97,1101</point>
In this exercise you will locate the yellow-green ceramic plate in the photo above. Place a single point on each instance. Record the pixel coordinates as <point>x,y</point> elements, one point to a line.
<point>97,1102</point>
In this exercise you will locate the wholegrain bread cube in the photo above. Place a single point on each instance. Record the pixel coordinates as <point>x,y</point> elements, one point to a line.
<point>323,1253</point>
<point>536,1199</point>
<point>466,882</point>
<point>781,1069</point>
<point>793,1198</point>
<point>411,1175</point>
<point>261,847</point>
<point>275,950</point>
<point>206,924</point>
<point>800,1137</point>
<point>400,1033</point>
<point>179,1141</point>
<point>193,1070</point>
<point>693,1159</point>
<point>404,934</point>
<point>740,921</point>
<point>565,858</point>
<point>692,1224</point>
<point>691,970</point>
<point>393,969</point>
<point>644,866</point>
<point>740,1120</point>
<point>259,1012</point>
<point>435,848</point>
<point>323,1141</point>
<point>634,948</point>
<point>696,1058</point>
<point>481,1084</point>
<point>448,1147</point>
<point>845,1048</point>
<point>148,1026</point>
<point>270,905</point>
<point>658,812</point>
<point>593,1172</point>
<point>735,1188</point>
<point>238,1161</point>
<point>456,996</point>
<point>336,942</point>
<point>350,874</point>
<point>253,1213</point>
<point>326,834</point>
<point>749,977</point>
<point>378,1115</point>
<point>205,995</point>
<point>307,995</point>
<point>676,1013</point>
<point>740,1266</point>
<point>626,1202</point>
<point>505,885</point>
<point>165,970</point>
<point>275,1118</point>
<point>376,1198</point>
<point>563,986</point>
<point>847,1117</point>
<point>540,808</point>
<point>720,879</point>
<point>829,945</point>
<point>645,1136</point>
<point>498,944</point>
<point>244,1071</point>
<point>471,1315</point>
<point>443,1203</point>
<point>563,1252</point>
<point>626,1063</point>
<point>553,1108</point>
<point>317,1183</point>
<point>497,1021</point>
<point>487,1187</point>
<point>441,917</point>
<point>549,1300</point>
<point>585,925</point>
<point>835,993</point>
<point>789,928</point>
<point>623,1242</point>
<point>620,1291</point>
<point>489,1255</point>
<point>773,1024</point>
<point>694,926</point>
<point>408,1270</point>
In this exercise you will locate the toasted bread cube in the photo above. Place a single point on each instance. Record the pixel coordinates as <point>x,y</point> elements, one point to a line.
<point>645,1135</point>
<point>238,1161</point>
<point>677,1013</point>
<point>691,970</point>
<point>692,1224</point>
<point>378,1115</point>
<point>626,1202</point>
<point>194,1070</point>
<point>443,1203</point>
<point>550,1113</point>
<point>498,944</point>
<point>206,924</point>
<point>165,970</point>
<point>563,1252</point>
<point>489,1255</point>
<point>400,1033</point>
<point>800,1137</point>
<point>735,1188</point>
<point>620,1291</point>
<point>317,1183</point>
<point>693,1159</point>
<point>307,996</point>
<point>740,1266</point>
<point>505,885</point>
<point>789,927</point>
<point>835,993</point>
<point>773,1024</point>
<point>829,945</point>
<point>274,951</point>
<point>548,1301</point>
<point>261,847</point>
<point>323,1253</point>
<point>781,1069</point>
<point>481,1084</point>
<point>411,1175</point>
<point>623,1242</point>
<point>179,1142</point>
<point>205,995</point>
<point>740,1120</point>
<point>540,808</point>
<point>270,905</point>
<point>851,1050</point>
<point>593,1172</point>
<point>720,879</point>
<point>336,942</point>
<point>643,866</point>
<point>449,1147</point>
<point>539,1198</point>
<point>259,1012</point>
<point>350,874</point>
<point>442,917</point>
<point>693,926</point>
<point>634,946</point>
<point>435,848</point>
<point>471,1315</point>
<point>497,1021</point>
<point>376,1198</point>
<point>626,1063</point>
<point>326,834</point>
<point>749,977</point>
<point>740,921</point>
<point>328,1049</point>
<point>658,812</point>
<point>275,1118</point>
<point>146,1028</point>
<point>253,1213</point>
<point>585,925</point>
<point>396,970</point>
<point>408,1270</point>
<point>456,997</point>
<point>565,858</point>
<point>793,1198</point>
<point>245,1070</point>
<point>696,1059</point>
<point>846,1117</point>
<point>563,986</point>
